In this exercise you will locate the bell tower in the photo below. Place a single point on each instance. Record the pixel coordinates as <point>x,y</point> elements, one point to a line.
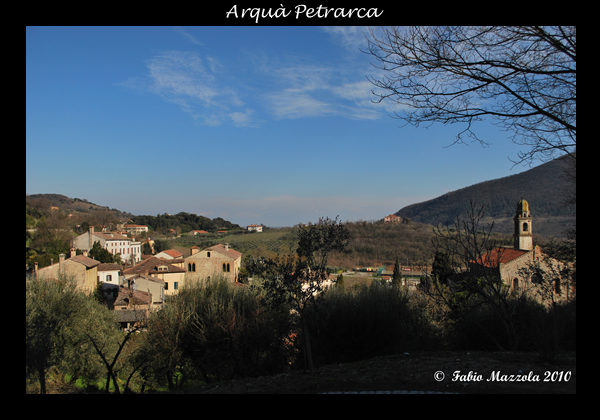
<point>523,231</point>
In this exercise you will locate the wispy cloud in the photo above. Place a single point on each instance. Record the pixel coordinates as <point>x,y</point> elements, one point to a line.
<point>195,83</point>
<point>350,37</point>
<point>215,91</point>
<point>188,36</point>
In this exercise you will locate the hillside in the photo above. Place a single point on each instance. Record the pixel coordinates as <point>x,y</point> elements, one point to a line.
<point>70,205</point>
<point>40,204</point>
<point>544,187</point>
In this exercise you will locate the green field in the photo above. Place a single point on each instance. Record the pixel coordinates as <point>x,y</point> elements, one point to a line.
<point>272,241</point>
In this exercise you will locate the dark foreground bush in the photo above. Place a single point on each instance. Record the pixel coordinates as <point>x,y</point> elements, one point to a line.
<point>216,331</point>
<point>545,329</point>
<point>346,326</point>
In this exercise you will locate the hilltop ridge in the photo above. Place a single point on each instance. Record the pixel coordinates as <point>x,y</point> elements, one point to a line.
<point>544,187</point>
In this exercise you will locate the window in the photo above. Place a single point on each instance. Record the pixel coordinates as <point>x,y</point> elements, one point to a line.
<point>208,254</point>
<point>557,286</point>
<point>175,285</point>
<point>108,277</point>
<point>228,268</point>
<point>525,227</point>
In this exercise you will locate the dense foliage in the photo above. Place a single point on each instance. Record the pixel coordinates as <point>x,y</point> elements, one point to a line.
<point>185,222</point>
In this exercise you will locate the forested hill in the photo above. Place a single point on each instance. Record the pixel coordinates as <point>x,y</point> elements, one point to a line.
<point>185,221</point>
<point>544,187</point>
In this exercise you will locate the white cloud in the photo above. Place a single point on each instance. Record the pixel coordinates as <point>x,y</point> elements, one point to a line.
<point>189,36</point>
<point>350,37</point>
<point>215,91</point>
<point>195,83</point>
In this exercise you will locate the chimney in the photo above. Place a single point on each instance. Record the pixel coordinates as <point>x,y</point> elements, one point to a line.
<point>61,260</point>
<point>35,268</point>
<point>73,252</point>
<point>91,235</point>
<point>226,247</point>
<point>194,250</point>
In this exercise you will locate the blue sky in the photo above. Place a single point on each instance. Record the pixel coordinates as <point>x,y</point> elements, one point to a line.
<point>270,125</point>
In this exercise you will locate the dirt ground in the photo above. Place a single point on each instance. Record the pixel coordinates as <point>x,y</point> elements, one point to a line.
<point>478,373</point>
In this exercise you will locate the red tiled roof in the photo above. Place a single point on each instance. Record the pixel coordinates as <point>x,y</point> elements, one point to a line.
<point>173,253</point>
<point>150,265</point>
<point>498,256</point>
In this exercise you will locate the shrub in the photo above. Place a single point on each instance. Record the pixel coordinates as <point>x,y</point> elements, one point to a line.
<point>225,332</point>
<point>367,322</point>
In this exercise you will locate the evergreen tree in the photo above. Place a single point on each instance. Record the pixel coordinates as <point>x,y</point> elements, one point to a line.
<point>397,276</point>
<point>100,254</point>
<point>340,281</point>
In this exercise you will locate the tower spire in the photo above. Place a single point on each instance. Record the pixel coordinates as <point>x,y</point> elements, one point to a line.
<point>523,235</point>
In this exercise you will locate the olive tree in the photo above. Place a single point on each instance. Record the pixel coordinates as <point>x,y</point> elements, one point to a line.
<point>298,279</point>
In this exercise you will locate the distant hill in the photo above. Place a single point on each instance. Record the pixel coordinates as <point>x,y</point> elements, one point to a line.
<point>65,203</point>
<point>38,204</point>
<point>544,187</point>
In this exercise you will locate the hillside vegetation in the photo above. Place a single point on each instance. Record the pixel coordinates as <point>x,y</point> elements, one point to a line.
<point>545,187</point>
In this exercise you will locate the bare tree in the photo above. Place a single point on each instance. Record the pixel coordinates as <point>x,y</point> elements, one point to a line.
<point>472,277</point>
<point>524,77</point>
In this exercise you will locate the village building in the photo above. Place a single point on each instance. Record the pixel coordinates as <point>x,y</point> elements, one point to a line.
<point>510,264</point>
<point>135,229</point>
<point>392,218</point>
<point>255,228</point>
<point>169,254</point>
<point>83,270</point>
<point>132,307</point>
<point>213,261</point>
<point>110,273</point>
<point>172,276</point>
<point>115,243</point>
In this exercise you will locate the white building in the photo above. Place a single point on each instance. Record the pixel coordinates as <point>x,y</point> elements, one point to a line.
<point>257,228</point>
<point>129,250</point>
<point>109,273</point>
<point>135,229</point>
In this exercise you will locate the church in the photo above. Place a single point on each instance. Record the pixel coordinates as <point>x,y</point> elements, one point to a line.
<point>510,264</point>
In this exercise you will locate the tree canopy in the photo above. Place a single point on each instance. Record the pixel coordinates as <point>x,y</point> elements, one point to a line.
<point>524,77</point>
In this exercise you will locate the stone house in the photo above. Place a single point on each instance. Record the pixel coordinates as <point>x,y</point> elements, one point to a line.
<point>82,269</point>
<point>132,307</point>
<point>172,276</point>
<point>511,264</point>
<point>213,261</point>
